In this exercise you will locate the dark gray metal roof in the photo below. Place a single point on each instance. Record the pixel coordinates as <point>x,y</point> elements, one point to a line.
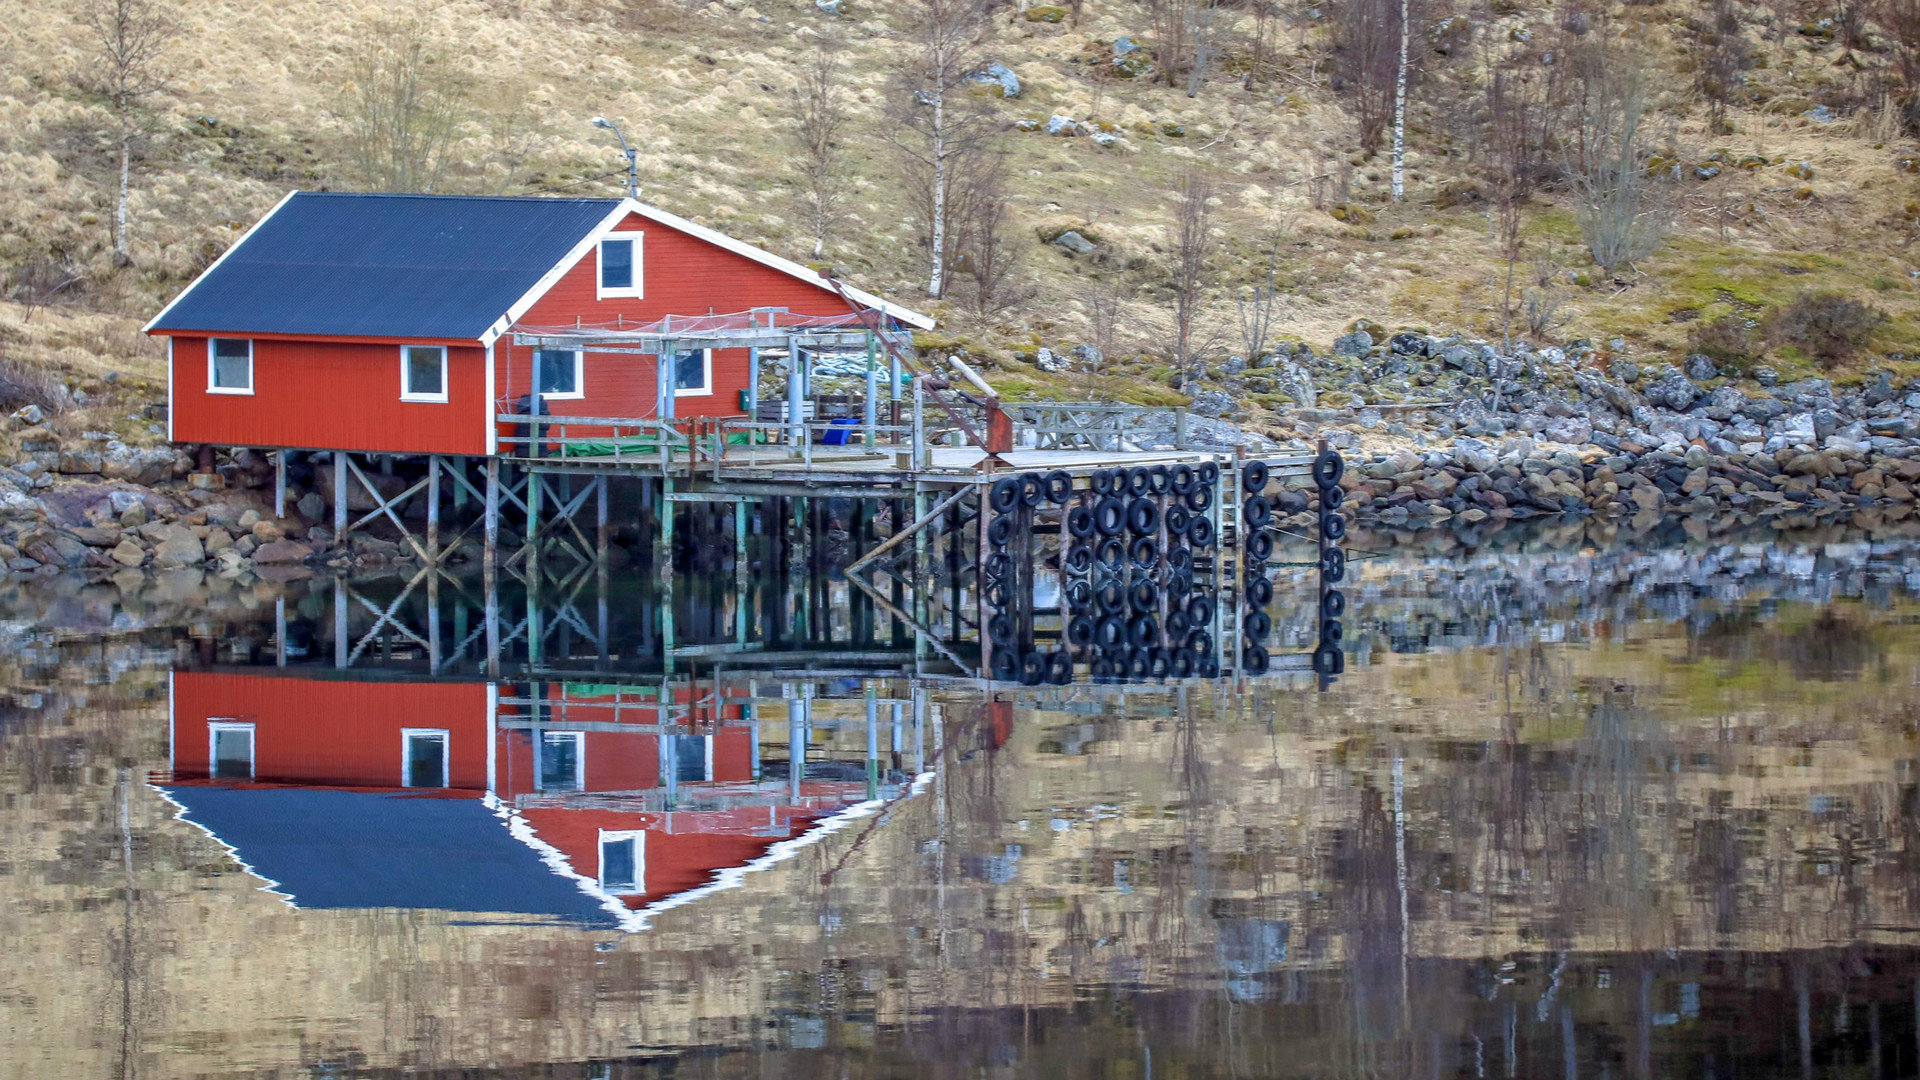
<point>350,265</point>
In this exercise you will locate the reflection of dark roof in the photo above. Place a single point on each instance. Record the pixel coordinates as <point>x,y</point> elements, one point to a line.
<point>336,264</point>
<point>346,849</point>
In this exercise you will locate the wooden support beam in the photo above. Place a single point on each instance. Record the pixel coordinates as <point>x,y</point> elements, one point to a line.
<point>913,530</point>
<point>339,496</point>
<point>433,509</point>
<point>280,483</point>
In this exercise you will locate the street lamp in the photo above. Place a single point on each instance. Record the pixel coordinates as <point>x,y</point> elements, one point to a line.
<point>633,180</point>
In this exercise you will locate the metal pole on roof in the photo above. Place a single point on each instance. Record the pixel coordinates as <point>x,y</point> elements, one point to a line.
<point>633,178</point>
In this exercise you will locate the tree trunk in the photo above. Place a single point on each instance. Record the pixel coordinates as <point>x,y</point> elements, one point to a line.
<point>120,205</point>
<point>937,283</point>
<point>1400,109</point>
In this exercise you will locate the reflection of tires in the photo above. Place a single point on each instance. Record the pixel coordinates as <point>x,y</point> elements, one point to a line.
<point>1112,598</point>
<point>1079,560</point>
<point>1333,604</point>
<point>1254,660</point>
<point>1000,531</point>
<point>999,564</point>
<point>1033,668</point>
<point>1139,663</point>
<point>1256,625</point>
<point>1253,477</point>
<point>1182,663</point>
<point>1004,495</point>
<point>1113,553</point>
<point>1328,660</point>
<point>1179,584</point>
<point>1080,630</point>
<point>1207,667</point>
<point>1180,560</point>
<point>1000,631</point>
<point>1333,526</point>
<point>996,594</point>
<point>1146,553</point>
<point>1180,479</point>
<point>1110,516</point>
<point>1260,592</point>
<point>1059,484</point>
<point>1333,566</point>
<point>1259,547</point>
<point>1327,469</point>
<point>1331,630</point>
<point>1079,595</point>
<point>1110,633</point>
<point>1144,596</point>
<point>1256,512</point>
<point>1200,642</point>
<point>1080,522</point>
<point>1006,667</point>
<point>1200,533</point>
<point>1143,631</point>
<point>1159,662</point>
<point>1102,669</point>
<point>1059,668</point>
<point>1200,610</point>
<point>1177,625</point>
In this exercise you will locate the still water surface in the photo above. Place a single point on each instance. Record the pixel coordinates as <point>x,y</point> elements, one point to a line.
<point>1571,810</point>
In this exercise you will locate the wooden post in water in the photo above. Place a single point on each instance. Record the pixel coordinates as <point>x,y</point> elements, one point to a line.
<point>340,496</point>
<point>280,483</point>
<point>433,510</point>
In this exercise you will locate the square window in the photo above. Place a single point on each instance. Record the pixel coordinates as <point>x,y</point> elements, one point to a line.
<point>691,757</point>
<point>623,861</point>
<point>692,373</point>
<point>229,366</point>
<point>423,373</point>
<point>557,372</point>
<point>232,751</point>
<point>620,273</point>
<point>424,758</point>
<point>561,760</point>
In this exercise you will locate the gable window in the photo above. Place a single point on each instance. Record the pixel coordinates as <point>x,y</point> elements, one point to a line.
<point>230,750</point>
<point>562,762</point>
<point>229,366</point>
<point>423,757</point>
<point>693,373</point>
<point>619,269</point>
<point>558,373</point>
<point>623,861</point>
<point>423,373</point>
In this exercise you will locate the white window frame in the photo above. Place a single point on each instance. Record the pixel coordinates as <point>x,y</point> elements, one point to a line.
<point>406,394</point>
<point>579,375</point>
<point>638,838</point>
<point>707,391</point>
<point>211,388</point>
<point>407,735</point>
<point>214,728</point>
<point>636,291</point>
<point>579,760</point>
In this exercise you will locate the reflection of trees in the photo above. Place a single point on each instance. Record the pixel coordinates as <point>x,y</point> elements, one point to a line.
<point>1833,649</point>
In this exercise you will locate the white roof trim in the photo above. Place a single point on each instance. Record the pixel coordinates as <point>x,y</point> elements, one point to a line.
<point>231,248</point>
<point>698,232</point>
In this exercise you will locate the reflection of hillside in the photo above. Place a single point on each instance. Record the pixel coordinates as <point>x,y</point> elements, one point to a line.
<point>1653,792</point>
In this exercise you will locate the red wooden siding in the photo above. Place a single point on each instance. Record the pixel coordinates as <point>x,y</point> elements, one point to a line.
<point>329,733</point>
<point>682,275</point>
<point>700,843</point>
<point>330,395</point>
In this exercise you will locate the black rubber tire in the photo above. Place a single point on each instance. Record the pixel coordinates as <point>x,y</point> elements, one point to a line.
<point>1059,484</point>
<point>1139,480</point>
<point>1159,662</point>
<point>1079,595</point>
<point>1200,533</point>
<point>999,531</point>
<point>1180,479</point>
<point>1113,553</point>
<point>1158,477</point>
<point>1260,592</point>
<point>1207,667</point>
<point>1331,630</point>
<point>1111,598</point>
<point>1080,522</point>
<point>1260,547</point>
<point>1032,489</point>
<point>1333,526</point>
<point>1182,663</point>
<point>1256,512</point>
<point>1080,631</point>
<point>1143,596</point>
<point>1328,468</point>
<point>1254,660</point>
<point>1059,668</point>
<point>1006,666</point>
<point>1333,604</point>
<point>1000,630</point>
<point>1201,642</point>
<point>1253,477</point>
<point>1200,610</point>
<point>1033,668</point>
<point>1005,494</point>
<point>1079,560</point>
<point>1110,632</point>
<point>1177,626</point>
<point>1143,515</point>
<point>1200,500</point>
<point>1143,631</point>
<point>1332,497</point>
<point>1139,663</point>
<point>1145,552</point>
<point>1333,567</point>
<point>999,563</point>
<point>1208,474</point>
<point>1178,518</point>
<point>1179,586</point>
<point>1256,625</point>
<point>1102,669</point>
<point>1180,559</point>
<point>1328,660</point>
<point>1102,481</point>
<point>1110,515</point>
<point>997,595</point>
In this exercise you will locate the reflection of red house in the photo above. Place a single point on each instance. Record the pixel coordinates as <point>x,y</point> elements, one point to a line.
<point>590,783</point>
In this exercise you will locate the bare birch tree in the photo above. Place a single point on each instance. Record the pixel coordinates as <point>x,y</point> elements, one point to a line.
<point>989,250</point>
<point>131,35</point>
<point>1400,106</point>
<point>1193,249</point>
<point>1621,210</point>
<point>403,106</point>
<point>938,125</point>
<point>819,103</point>
<point>1365,40</point>
<point>1260,307</point>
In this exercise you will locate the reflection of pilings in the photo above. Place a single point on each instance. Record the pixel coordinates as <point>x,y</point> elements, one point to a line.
<point>797,709</point>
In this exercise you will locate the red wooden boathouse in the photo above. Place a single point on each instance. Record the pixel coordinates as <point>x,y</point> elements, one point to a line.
<point>384,323</point>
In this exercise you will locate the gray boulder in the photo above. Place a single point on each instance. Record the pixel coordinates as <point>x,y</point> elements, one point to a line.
<point>1676,392</point>
<point>1211,403</point>
<point>1700,367</point>
<point>1724,402</point>
<point>1002,74</point>
<point>1766,376</point>
<point>1048,360</point>
<point>1407,344</point>
<point>1354,344</point>
<point>1625,371</point>
<point>1074,244</point>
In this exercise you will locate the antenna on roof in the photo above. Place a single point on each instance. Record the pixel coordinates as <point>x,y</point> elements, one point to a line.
<point>633,179</point>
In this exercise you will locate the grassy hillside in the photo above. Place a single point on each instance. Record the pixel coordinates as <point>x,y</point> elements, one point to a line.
<point>254,106</point>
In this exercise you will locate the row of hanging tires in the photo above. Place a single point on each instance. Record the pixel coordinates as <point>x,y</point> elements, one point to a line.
<point>1328,658</point>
